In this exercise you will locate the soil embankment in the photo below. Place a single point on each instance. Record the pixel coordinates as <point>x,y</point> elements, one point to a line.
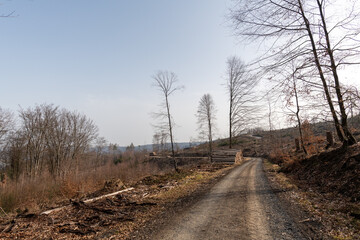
<point>336,171</point>
<point>327,186</point>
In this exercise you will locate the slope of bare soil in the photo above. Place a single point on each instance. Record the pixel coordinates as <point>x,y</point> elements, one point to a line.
<point>327,185</point>
<point>336,171</point>
<point>114,217</point>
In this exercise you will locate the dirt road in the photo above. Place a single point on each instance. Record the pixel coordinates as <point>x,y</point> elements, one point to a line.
<point>241,206</point>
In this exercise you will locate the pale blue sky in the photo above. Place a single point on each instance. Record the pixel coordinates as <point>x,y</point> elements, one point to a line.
<point>97,57</point>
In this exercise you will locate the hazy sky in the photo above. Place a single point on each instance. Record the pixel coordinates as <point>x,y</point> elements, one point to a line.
<point>97,57</point>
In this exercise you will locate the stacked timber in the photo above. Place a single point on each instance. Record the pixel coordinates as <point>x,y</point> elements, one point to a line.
<point>230,156</point>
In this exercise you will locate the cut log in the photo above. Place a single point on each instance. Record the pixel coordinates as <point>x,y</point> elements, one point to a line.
<point>227,156</point>
<point>87,201</point>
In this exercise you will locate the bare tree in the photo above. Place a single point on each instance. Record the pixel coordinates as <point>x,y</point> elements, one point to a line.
<point>35,123</point>
<point>292,92</point>
<point>269,115</point>
<point>351,100</point>
<point>165,82</point>
<point>53,138</point>
<point>301,30</point>
<point>240,85</point>
<point>100,157</point>
<point>82,133</point>
<point>206,117</point>
<point>7,15</point>
<point>68,138</point>
<point>159,141</point>
<point>156,142</point>
<point>15,155</point>
<point>6,124</point>
<point>6,131</point>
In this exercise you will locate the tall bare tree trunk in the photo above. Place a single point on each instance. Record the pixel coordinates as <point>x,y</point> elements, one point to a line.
<point>230,120</point>
<point>338,127</point>
<point>349,140</point>
<point>298,117</point>
<point>210,140</point>
<point>171,134</point>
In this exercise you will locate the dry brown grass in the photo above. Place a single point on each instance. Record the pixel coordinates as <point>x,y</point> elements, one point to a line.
<point>274,172</point>
<point>151,196</point>
<point>44,191</point>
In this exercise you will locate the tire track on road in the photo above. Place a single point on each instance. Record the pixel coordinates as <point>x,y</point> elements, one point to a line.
<point>240,206</point>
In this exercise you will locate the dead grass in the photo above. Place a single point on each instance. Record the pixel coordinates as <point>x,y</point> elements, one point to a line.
<point>279,177</point>
<point>130,210</point>
<point>189,183</point>
<point>46,192</point>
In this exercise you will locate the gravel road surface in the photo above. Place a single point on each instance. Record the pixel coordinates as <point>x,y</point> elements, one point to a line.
<point>241,206</point>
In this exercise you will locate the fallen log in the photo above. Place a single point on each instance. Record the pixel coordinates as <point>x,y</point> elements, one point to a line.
<point>87,201</point>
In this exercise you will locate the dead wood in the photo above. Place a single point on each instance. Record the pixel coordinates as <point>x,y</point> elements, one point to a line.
<point>77,231</point>
<point>9,227</point>
<point>87,201</point>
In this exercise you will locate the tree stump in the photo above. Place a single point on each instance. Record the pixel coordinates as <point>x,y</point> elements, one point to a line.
<point>297,144</point>
<point>329,139</point>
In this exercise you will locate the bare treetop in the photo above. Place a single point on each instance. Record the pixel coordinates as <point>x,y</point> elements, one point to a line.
<point>166,81</point>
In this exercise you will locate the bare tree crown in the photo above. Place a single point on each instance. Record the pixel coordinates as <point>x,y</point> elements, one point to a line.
<point>165,82</point>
